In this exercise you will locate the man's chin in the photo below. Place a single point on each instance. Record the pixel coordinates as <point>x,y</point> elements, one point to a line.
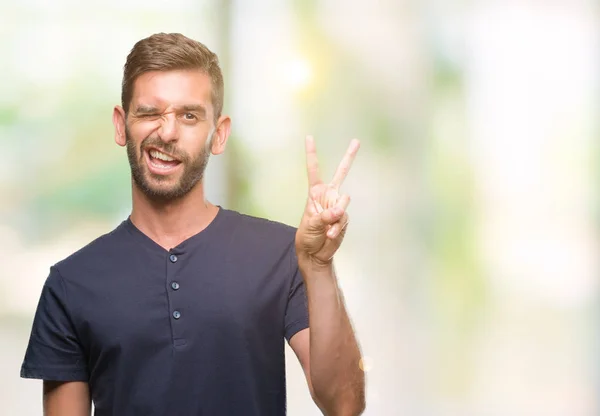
<point>159,190</point>
<point>164,195</point>
<point>164,188</point>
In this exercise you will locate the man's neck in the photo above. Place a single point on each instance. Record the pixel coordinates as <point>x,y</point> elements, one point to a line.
<point>171,223</point>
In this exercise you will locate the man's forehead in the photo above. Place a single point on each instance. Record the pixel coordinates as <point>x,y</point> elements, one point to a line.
<point>172,88</point>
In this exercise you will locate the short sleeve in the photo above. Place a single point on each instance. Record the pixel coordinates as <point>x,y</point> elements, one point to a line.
<point>54,352</point>
<point>296,314</point>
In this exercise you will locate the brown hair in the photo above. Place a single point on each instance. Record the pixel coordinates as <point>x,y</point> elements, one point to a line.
<point>167,52</point>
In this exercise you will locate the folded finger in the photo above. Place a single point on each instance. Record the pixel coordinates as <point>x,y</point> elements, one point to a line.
<point>338,226</point>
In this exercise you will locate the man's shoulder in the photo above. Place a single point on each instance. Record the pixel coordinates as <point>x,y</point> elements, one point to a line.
<point>97,250</point>
<point>255,226</point>
<point>252,240</point>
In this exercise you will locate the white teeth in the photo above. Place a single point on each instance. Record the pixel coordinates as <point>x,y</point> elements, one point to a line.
<point>158,155</point>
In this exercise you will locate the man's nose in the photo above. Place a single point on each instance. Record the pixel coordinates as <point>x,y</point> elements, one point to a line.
<point>168,130</point>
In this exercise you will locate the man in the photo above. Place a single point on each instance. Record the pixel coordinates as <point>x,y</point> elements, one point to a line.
<point>184,307</point>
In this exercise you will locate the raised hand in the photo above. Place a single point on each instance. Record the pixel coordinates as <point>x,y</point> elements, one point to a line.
<point>324,221</point>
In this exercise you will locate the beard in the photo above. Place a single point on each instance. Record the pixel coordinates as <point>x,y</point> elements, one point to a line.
<point>156,187</point>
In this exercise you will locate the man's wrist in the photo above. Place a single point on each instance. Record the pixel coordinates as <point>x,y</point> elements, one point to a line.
<point>310,265</point>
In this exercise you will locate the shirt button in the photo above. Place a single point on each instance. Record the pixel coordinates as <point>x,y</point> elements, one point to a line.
<point>175,285</point>
<point>173,258</point>
<point>176,314</point>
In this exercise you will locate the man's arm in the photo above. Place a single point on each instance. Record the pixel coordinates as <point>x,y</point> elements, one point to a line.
<point>55,355</point>
<point>328,350</point>
<point>70,398</point>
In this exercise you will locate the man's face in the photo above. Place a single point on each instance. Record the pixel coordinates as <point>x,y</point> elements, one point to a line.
<point>168,132</point>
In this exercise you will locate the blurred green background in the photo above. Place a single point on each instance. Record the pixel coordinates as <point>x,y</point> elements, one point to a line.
<point>470,267</point>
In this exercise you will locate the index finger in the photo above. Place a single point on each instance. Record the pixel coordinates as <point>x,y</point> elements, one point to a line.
<point>312,162</point>
<point>345,164</point>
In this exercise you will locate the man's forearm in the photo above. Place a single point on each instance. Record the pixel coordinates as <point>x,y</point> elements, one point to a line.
<point>337,380</point>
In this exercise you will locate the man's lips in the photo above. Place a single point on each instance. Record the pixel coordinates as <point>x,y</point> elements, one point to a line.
<point>160,163</point>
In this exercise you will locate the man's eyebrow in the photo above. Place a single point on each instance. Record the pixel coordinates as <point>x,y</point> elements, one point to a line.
<point>145,109</point>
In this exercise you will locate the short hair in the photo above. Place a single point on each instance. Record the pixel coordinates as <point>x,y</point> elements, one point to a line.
<point>168,52</point>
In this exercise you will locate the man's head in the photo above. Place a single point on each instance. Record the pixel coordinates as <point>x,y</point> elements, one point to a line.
<point>170,119</point>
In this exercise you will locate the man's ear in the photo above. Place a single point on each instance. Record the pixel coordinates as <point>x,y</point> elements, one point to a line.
<point>118,119</point>
<point>221,135</point>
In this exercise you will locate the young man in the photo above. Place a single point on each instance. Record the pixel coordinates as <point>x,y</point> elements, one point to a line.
<point>184,307</point>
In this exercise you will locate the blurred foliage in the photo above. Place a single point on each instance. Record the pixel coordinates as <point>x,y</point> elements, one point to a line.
<point>239,187</point>
<point>69,172</point>
<point>440,216</point>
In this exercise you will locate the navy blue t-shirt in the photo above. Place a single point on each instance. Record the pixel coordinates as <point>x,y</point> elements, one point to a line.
<point>195,330</point>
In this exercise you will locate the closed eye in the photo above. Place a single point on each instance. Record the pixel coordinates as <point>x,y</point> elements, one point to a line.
<point>147,116</point>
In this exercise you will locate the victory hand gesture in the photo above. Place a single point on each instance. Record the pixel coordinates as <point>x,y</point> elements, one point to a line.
<point>324,221</point>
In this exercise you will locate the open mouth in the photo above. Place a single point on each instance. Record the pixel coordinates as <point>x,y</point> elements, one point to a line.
<point>159,162</point>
